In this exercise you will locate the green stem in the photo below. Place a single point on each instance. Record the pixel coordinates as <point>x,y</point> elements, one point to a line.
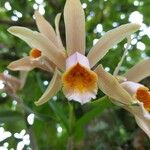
<point>29,110</point>
<point>26,111</point>
<point>70,145</point>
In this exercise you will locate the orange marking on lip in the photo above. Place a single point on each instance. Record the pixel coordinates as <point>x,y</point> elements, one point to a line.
<point>35,53</point>
<point>143,95</point>
<point>79,79</point>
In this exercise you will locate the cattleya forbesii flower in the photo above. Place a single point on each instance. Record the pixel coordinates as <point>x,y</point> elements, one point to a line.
<point>129,94</point>
<point>73,69</point>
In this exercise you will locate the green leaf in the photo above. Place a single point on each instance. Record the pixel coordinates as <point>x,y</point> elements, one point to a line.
<point>71,120</point>
<point>59,112</point>
<point>98,107</point>
<point>10,116</point>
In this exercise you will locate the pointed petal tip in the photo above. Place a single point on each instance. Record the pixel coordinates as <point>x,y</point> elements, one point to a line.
<point>12,66</point>
<point>54,87</point>
<point>37,103</point>
<point>37,14</point>
<point>40,102</point>
<point>23,64</point>
<point>10,29</point>
<point>14,29</point>
<point>136,25</point>
<point>59,14</point>
<point>57,18</point>
<point>74,19</point>
<point>111,87</point>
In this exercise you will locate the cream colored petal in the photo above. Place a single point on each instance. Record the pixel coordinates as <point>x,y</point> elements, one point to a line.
<point>54,86</point>
<point>80,97</point>
<point>144,124</point>
<point>77,58</point>
<point>46,64</point>
<point>144,112</point>
<point>23,78</point>
<point>111,87</point>
<point>75,27</point>
<point>45,28</point>
<point>23,64</point>
<point>139,71</point>
<point>131,87</point>
<point>141,120</point>
<point>12,83</point>
<point>39,41</point>
<point>110,38</point>
<point>57,20</point>
<point>28,64</point>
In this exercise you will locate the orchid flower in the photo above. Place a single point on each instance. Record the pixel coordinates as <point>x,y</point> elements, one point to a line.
<point>129,94</point>
<point>73,69</point>
<point>36,59</point>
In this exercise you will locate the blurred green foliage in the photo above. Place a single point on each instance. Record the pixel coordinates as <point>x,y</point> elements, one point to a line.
<point>98,125</point>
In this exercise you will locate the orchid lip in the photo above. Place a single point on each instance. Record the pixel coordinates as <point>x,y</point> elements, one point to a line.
<point>139,91</point>
<point>77,58</point>
<point>143,95</point>
<point>79,81</point>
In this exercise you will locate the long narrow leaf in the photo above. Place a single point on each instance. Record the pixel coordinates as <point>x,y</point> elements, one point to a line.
<point>59,113</point>
<point>97,108</point>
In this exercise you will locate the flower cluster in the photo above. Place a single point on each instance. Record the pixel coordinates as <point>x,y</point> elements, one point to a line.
<point>74,72</point>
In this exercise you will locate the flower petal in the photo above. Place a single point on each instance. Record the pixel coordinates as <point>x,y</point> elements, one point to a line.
<point>131,87</point>
<point>111,87</point>
<point>142,121</point>
<point>144,124</point>
<point>75,27</point>
<point>80,97</point>
<point>12,83</point>
<point>80,84</point>
<point>57,20</point>
<point>54,86</point>
<point>45,28</point>
<point>110,38</point>
<point>77,58</point>
<point>28,64</point>
<point>139,92</point>
<point>139,71</point>
<point>23,78</point>
<point>39,41</point>
<point>23,64</point>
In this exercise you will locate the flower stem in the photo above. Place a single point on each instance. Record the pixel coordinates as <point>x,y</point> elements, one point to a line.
<point>123,57</point>
<point>70,144</point>
<point>26,111</point>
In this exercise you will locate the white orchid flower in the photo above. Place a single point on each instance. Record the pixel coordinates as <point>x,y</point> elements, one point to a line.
<point>130,94</point>
<point>74,71</point>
